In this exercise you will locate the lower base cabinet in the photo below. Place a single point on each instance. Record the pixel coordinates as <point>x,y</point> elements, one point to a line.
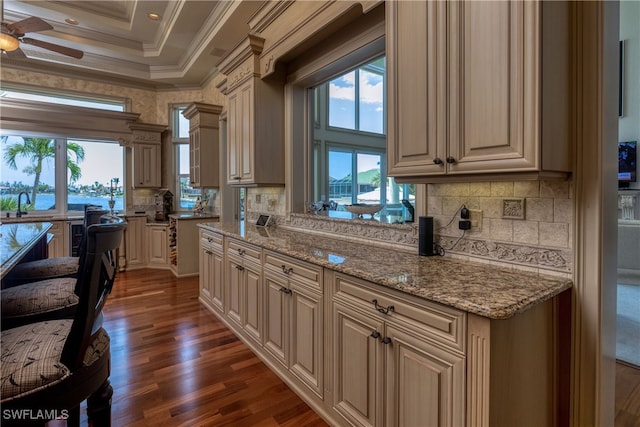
<point>361,354</point>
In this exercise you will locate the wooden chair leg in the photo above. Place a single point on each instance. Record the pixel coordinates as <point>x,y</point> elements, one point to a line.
<point>99,406</point>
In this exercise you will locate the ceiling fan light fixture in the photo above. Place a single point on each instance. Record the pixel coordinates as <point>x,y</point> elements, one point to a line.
<point>8,43</point>
<point>71,21</point>
<point>154,16</point>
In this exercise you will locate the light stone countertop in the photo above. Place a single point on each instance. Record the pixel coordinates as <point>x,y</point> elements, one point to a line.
<point>478,288</point>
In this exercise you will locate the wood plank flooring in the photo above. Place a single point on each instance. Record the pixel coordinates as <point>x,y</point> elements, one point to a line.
<point>627,395</point>
<point>175,364</point>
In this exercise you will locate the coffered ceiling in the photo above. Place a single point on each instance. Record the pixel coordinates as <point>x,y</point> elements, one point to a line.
<point>121,42</point>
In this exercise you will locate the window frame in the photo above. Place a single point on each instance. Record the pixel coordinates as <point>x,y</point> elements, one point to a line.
<point>177,141</point>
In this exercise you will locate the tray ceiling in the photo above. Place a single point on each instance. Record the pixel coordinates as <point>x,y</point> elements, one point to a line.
<point>120,42</point>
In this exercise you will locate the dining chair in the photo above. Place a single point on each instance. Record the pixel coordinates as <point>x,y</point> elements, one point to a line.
<point>45,299</point>
<point>48,368</point>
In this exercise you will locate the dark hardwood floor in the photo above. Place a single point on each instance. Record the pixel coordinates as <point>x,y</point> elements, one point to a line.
<point>175,364</point>
<point>627,395</point>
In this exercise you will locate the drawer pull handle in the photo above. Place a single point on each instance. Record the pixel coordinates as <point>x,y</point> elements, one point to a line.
<point>285,290</point>
<point>451,160</point>
<point>286,270</point>
<point>386,340</point>
<point>375,334</point>
<point>381,309</point>
<point>239,268</point>
<point>209,239</point>
<point>208,252</point>
<point>437,161</point>
<point>241,252</point>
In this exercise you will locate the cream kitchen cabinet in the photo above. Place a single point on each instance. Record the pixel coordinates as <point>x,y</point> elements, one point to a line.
<point>211,271</point>
<point>471,91</point>
<point>293,332</point>
<point>134,243</point>
<point>58,244</point>
<point>157,246</point>
<point>396,361</point>
<point>204,144</point>
<point>255,122</point>
<point>146,149</point>
<point>244,304</point>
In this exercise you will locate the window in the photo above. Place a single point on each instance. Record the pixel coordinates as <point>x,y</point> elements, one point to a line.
<point>65,99</point>
<point>53,169</point>
<point>186,194</point>
<point>349,143</point>
<point>356,99</point>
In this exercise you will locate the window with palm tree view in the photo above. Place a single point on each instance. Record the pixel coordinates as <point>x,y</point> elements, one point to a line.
<point>60,174</point>
<point>57,173</point>
<point>349,143</point>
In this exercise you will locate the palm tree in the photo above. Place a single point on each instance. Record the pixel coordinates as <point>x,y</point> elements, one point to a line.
<point>37,150</point>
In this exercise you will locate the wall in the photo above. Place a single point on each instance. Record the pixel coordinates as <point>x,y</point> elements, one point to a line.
<point>541,242</point>
<point>629,124</point>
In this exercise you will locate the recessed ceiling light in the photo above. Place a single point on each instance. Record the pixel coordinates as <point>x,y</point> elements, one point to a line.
<point>154,16</point>
<point>71,21</point>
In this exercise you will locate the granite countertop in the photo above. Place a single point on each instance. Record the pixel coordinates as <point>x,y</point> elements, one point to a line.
<point>16,240</point>
<point>478,288</point>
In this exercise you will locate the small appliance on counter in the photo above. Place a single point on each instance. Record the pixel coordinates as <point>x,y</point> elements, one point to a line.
<point>164,205</point>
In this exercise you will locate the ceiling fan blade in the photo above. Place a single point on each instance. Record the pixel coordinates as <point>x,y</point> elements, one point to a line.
<point>74,53</point>
<point>15,54</point>
<point>29,25</point>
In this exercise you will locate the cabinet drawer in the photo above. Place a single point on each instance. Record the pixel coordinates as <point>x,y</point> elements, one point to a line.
<point>211,240</point>
<point>445,323</point>
<point>300,271</point>
<point>245,250</point>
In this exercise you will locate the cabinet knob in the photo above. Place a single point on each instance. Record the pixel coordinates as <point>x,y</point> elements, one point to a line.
<point>451,160</point>
<point>386,340</point>
<point>437,161</point>
<point>375,334</point>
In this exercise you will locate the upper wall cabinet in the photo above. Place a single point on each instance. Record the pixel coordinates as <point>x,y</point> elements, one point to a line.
<point>478,88</point>
<point>255,118</point>
<point>204,145</point>
<point>146,146</point>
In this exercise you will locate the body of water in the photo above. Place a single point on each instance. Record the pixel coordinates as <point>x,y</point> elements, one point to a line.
<point>46,201</point>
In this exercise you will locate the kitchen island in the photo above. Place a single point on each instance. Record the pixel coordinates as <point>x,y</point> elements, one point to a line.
<point>20,242</point>
<point>374,336</point>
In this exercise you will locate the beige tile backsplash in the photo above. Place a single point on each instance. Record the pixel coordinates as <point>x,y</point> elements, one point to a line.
<point>548,208</point>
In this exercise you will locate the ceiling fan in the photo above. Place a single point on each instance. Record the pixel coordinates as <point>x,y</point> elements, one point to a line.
<point>13,34</point>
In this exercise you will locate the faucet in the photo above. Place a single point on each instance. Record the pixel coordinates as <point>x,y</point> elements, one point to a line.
<point>20,212</point>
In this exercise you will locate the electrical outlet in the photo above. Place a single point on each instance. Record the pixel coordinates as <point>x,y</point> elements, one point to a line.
<point>475,216</point>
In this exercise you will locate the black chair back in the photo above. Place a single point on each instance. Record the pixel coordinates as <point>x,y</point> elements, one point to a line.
<point>95,283</point>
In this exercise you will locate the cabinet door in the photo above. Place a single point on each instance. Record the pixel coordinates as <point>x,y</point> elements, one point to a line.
<point>234,290</point>
<point>134,242</point>
<point>234,136</point>
<point>216,280</point>
<point>247,151</point>
<point>357,366</point>
<point>306,358</point>
<point>158,246</point>
<point>146,165</point>
<point>252,289</point>
<point>194,157</point>
<point>424,383</point>
<point>206,272</point>
<point>416,76</point>
<point>494,86</point>
<point>276,307</point>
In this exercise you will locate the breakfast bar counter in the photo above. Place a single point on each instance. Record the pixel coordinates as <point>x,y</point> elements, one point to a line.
<point>22,242</point>
<point>474,287</point>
